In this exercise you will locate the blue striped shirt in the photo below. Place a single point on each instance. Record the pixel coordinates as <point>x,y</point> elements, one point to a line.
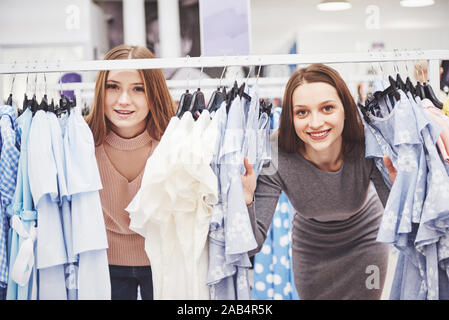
<point>9,158</point>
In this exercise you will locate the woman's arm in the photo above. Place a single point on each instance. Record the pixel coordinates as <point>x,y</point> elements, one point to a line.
<point>261,199</point>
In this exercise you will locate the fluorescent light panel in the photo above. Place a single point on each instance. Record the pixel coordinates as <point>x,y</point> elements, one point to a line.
<point>417,3</point>
<point>333,5</point>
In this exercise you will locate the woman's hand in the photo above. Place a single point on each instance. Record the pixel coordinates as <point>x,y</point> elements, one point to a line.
<point>248,182</point>
<point>392,172</point>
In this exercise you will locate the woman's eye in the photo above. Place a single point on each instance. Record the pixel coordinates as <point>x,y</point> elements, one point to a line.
<point>111,86</point>
<point>139,89</point>
<point>301,113</point>
<point>328,108</point>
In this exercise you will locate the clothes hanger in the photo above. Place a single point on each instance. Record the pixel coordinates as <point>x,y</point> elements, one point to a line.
<point>184,103</point>
<point>9,100</point>
<point>186,98</point>
<point>429,94</point>
<point>198,104</point>
<point>25,97</point>
<point>34,105</point>
<point>217,96</point>
<point>44,102</point>
<point>408,82</point>
<point>230,95</point>
<point>426,91</point>
<point>241,90</point>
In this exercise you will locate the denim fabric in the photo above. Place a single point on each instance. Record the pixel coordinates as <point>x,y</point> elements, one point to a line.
<point>2,293</point>
<point>125,281</point>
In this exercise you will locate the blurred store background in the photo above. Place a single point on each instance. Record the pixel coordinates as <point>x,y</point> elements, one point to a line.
<point>36,31</point>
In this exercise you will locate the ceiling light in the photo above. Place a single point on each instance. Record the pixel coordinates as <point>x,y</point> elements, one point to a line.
<point>417,3</point>
<point>333,5</point>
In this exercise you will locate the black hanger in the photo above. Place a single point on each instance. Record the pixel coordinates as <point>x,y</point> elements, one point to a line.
<point>51,106</point>
<point>198,104</point>
<point>264,107</point>
<point>44,104</point>
<point>64,105</point>
<point>33,104</point>
<point>85,111</point>
<point>216,99</point>
<point>410,87</point>
<point>419,90</point>
<point>429,94</point>
<point>392,91</point>
<point>184,103</point>
<point>400,84</point>
<point>230,95</point>
<point>9,100</point>
<point>242,93</point>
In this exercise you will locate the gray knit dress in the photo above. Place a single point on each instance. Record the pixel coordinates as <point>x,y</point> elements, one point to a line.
<point>335,254</point>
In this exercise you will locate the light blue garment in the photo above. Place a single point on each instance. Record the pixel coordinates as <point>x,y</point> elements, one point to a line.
<point>42,171</point>
<point>434,226</point>
<point>231,238</point>
<point>88,228</point>
<point>9,159</point>
<point>58,128</point>
<point>23,207</point>
<point>273,273</point>
<point>395,128</point>
<point>416,213</point>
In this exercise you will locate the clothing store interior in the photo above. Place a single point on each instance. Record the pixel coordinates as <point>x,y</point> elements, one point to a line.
<point>138,213</point>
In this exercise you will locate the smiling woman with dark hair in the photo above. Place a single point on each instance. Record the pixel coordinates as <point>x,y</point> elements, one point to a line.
<point>321,167</point>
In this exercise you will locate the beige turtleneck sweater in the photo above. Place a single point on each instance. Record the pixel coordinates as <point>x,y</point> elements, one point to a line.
<point>121,163</point>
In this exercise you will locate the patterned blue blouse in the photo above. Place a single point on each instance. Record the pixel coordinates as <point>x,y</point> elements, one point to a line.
<point>415,220</point>
<point>273,273</point>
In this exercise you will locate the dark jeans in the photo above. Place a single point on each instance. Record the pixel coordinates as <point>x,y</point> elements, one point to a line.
<point>126,279</point>
<point>3,293</point>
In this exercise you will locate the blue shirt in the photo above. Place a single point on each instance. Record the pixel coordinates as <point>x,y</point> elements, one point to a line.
<point>23,207</point>
<point>9,159</point>
<point>89,239</point>
<point>231,237</point>
<point>43,177</point>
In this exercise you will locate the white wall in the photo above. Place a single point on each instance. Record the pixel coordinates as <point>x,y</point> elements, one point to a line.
<point>276,24</point>
<point>49,30</point>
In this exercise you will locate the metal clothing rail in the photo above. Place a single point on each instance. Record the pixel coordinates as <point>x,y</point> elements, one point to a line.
<point>433,57</point>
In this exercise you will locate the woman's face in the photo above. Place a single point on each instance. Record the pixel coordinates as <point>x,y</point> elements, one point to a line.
<point>318,117</point>
<point>126,106</point>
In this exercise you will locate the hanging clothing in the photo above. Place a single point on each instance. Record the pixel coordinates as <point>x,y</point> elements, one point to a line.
<point>43,177</point>
<point>443,122</point>
<point>172,208</point>
<point>23,231</point>
<point>231,236</point>
<point>415,219</point>
<point>273,272</point>
<point>9,158</point>
<point>89,240</point>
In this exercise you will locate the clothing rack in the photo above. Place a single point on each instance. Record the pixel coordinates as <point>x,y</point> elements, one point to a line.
<point>432,56</point>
